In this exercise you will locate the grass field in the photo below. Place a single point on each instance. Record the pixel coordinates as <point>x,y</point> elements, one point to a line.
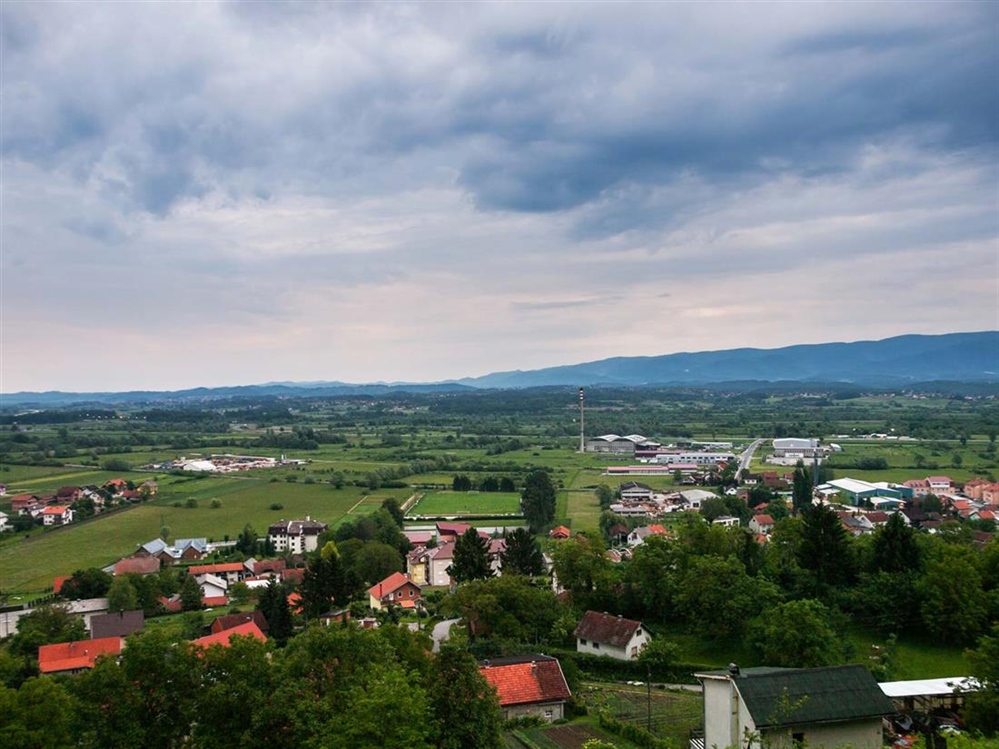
<point>27,565</point>
<point>582,510</point>
<point>467,503</point>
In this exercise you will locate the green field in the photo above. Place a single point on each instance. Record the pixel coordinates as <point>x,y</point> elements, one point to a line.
<point>27,565</point>
<point>467,503</point>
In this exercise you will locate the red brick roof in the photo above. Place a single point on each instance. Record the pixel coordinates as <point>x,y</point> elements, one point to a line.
<point>606,628</point>
<point>223,638</point>
<point>560,532</point>
<point>540,680</point>
<point>71,656</point>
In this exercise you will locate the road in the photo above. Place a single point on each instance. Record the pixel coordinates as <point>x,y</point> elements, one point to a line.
<point>442,630</point>
<point>747,455</point>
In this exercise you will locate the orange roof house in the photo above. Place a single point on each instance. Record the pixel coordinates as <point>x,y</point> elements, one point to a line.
<point>560,532</point>
<point>528,685</point>
<point>74,657</point>
<point>224,638</point>
<point>397,588</point>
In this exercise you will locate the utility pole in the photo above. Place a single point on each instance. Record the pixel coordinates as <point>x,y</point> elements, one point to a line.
<point>582,414</point>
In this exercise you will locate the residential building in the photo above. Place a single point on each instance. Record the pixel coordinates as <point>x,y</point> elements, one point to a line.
<point>57,515</point>
<point>613,636</point>
<point>396,589</point>
<point>820,708</point>
<point>231,621</point>
<point>224,637</point>
<point>116,624</point>
<point>231,572</point>
<point>74,657</point>
<point>528,685</point>
<point>296,536</point>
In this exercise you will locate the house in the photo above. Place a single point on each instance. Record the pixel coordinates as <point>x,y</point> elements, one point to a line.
<point>939,484</point>
<point>528,685</point>
<point>137,566</point>
<point>212,587</point>
<point>231,621</point>
<point>815,707</point>
<point>115,486</point>
<point>74,657</point>
<point>4,522</point>
<point>560,533</point>
<point>224,637</point>
<point>116,624</point>
<point>438,561</point>
<point>397,588</point>
<point>726,521</point>
<point>613,636</point>
<point>231,572</point>
<point>449,532</point>
<point>68,494</point>
<point>20,503</point>
<point>761,524</point>
<point>638,535</point>
<point>57,515</point>
<point>182,550</point>
<point>296,536</point>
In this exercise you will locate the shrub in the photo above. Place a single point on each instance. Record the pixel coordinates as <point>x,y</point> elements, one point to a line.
<point>276,506</point>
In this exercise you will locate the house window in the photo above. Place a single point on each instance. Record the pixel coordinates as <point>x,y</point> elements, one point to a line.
<point>548,714</point>
<point>582,641</point>
<point>596,646</point>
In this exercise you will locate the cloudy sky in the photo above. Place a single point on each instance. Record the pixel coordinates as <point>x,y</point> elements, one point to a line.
<point>216,194</point>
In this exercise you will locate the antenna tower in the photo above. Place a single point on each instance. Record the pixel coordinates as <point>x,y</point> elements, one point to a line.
<point>582,414</point>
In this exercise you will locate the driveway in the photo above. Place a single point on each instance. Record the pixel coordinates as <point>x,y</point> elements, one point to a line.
<point>442,630</point>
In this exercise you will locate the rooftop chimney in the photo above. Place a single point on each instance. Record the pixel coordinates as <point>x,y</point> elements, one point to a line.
<point>733,670</point>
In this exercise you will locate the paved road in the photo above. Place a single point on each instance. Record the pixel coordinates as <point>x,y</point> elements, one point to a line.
<point>442,630</point>
<point>747,456</point>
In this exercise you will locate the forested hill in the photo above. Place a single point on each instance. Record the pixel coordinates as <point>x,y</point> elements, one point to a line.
<point>893,362</point>
<point>960,357</point>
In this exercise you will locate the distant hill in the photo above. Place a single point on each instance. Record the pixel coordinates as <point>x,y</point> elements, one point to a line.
<point>892,362</point>
<point>960,357</point>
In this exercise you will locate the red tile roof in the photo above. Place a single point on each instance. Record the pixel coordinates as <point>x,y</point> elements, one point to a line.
<point>560,532</point>
<point>71,656</point>
<point>214,601</point>
<point>214,569</point>
<point>223,638</point>
<point>606,628</point>
<point>525,683</point>
<point>764,519</point>
<point>230,621</point>
<point>137,566</point>
<point>389,585</point>
<point>55,510</point>
<point>58,582</point>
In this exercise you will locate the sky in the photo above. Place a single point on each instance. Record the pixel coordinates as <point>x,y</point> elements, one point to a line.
<point>206,194</point>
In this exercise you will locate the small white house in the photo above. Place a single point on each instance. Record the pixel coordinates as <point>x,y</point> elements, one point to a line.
<point>613,636</point>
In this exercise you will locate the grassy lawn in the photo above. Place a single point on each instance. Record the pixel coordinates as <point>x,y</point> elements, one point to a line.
<point>467,503</point>
<point>582,510</point>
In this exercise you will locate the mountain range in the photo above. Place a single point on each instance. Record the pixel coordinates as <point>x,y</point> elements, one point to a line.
<point>892,362</point>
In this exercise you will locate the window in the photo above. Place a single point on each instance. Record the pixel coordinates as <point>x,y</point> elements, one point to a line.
<point>548,714</point>
<point>596,646</point>
<point>582,641</point>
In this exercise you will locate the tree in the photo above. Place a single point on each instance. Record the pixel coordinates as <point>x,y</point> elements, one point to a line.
<point>796,634</point>
<point>122,595</point>
<point>190,594</point>
<point>713,508</point>
<point>88,583</point>
<point>39,714</point>
<point>522,555</point>
<point>825,548</point>
<point>461,483</point>
<point>801,489</point>
<point>894,547</point>
<point>507,608</point>
<point>604,495</point>
<point>471,558</point>
<point>954,603</point>
<point>660,655</point>
<point>537,500</point>
<point>391,506</point>
<point>46,625</point>
<point>466,710</point>
<point>981,706</point>
<point>581,567</point>
<point>717,596</point>
<point>324,581</point>
<point>273,603</point>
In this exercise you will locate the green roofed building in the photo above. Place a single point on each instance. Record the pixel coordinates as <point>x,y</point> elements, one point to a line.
<point>783,707</point>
